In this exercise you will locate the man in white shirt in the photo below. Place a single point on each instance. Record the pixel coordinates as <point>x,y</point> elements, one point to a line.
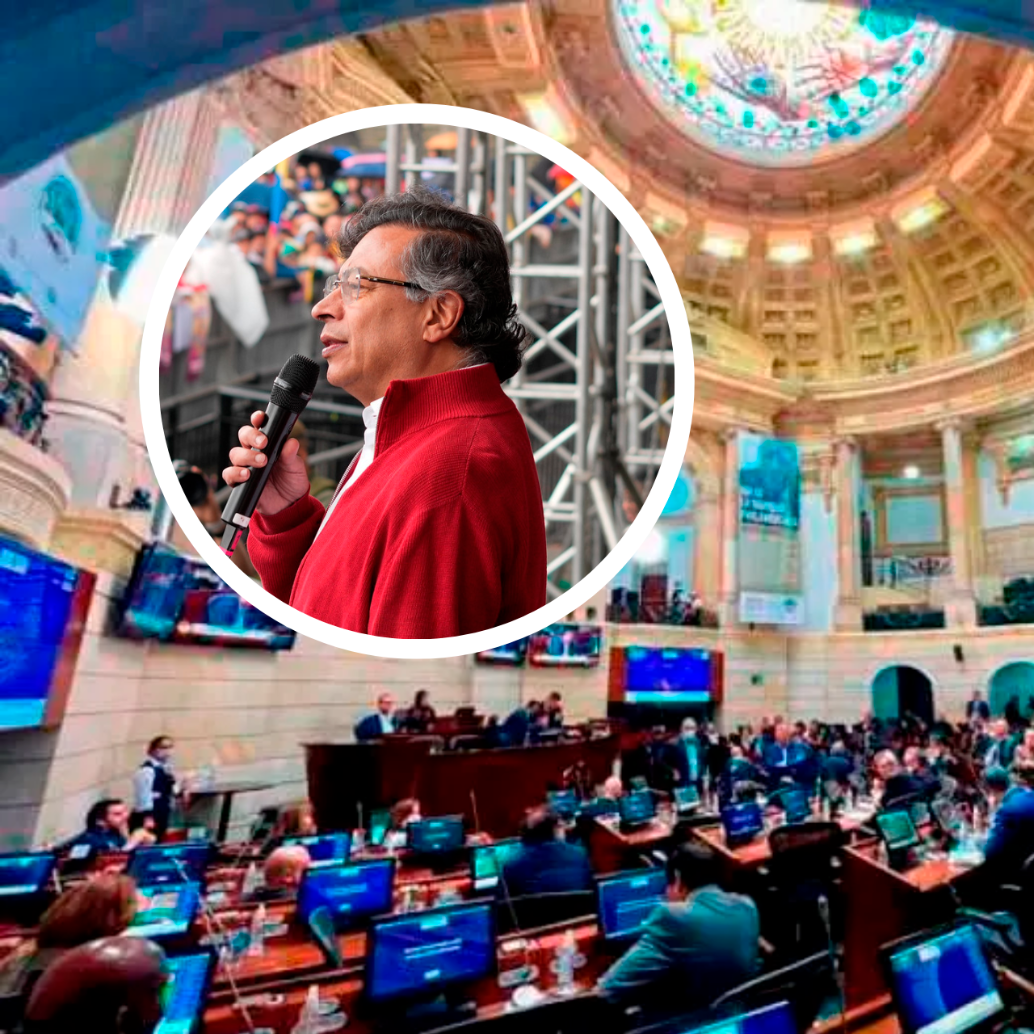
<point>154,788</point>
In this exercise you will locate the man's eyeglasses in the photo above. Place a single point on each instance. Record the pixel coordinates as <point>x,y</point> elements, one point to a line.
<point>350,280</point>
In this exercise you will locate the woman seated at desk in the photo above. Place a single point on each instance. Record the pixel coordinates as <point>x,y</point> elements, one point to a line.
<point>403,813</point>
<point>420,717</point>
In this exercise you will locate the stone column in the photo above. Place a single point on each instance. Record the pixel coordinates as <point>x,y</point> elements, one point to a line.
<point>728,608</point>
<point>848,615</point>
<point>94,422</point>
<point>960,608</point>
<point>707,561</point>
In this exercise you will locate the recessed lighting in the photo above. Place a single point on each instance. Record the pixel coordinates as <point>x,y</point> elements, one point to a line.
<point>789,252</point>
<point>724,242</point>
<point>911,472</point>
<point>918,211</point>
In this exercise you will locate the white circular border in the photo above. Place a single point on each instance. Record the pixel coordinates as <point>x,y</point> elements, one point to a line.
<point>368,118</point>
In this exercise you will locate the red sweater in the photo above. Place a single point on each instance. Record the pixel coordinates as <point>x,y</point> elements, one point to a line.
<point>443,534</point>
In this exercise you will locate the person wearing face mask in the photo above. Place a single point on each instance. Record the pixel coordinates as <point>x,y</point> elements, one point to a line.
<point>687,755</point>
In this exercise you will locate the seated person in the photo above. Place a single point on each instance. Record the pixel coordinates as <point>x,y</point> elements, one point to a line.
<point>101,907</point>
<point>696,946</point>
<point>283,871</point>
<point>545,863</point>
<point>419,718</point>
<point>899,785</point>
<point>786,756</point>
<point>402,814</point>
<point>294,820</point>
<point>380,723</point>
<point>612,788</point>
<point>107,828</point>
<point>112,985</point>
<point>1011,840</point>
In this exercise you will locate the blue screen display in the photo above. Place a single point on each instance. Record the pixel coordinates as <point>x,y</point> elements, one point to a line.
<point>37,594</point>
<point>637,807</point>
<point>566,645</point>
<point>743,821</point>
<point>488,861</point>
<point>180,599</point>
<point>413,954</point>
<point>773,1019</point>
<point>945,984</point>
<point>166,910</point>
<point>348,892</point>
<point>183,996</point>
<point>324,847</point>
<point>24,874</point>
<point>667,675</point>
<point>625,902</point>
<point>511,653</point>
<point>435,836</point>
<point>563,802</point>
<point>796,805</point>
<point>169,863</point>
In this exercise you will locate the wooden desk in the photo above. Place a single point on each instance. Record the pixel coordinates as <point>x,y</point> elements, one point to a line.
<point>223,1017</point>
<point>504,782</point>
<point>883,905</point>
<point>611,850</point>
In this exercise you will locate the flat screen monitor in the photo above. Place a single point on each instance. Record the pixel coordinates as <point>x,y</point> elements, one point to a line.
<point>563,802</point>
<point>742,822</point>
<point>185,992</point>
<point>165,863</point>
<point>351,892</point>
<point>668,676</point>
<point>488,860</point>
<point>637,808</point>
<point>324,848</point>
<point>380,823</point>
<point>772,1019</point>
<point>43,608</point>
<point>600,808</point>
<point>25,875</point>
<point>796,804</point>
<point>512,654</point>
<point>165,910</point>
<point>624,902</point>
<point>566,646</point>
<point>897,829</point>
<point>422,953</point>
<point>442,835</point>
<point>178,598</point>
<point>687,798</point>
<point>944,985</point>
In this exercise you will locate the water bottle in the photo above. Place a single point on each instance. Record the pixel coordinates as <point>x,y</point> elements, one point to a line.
<point>257,944</point>
<point>565,954</point>
<point>308,1019</point>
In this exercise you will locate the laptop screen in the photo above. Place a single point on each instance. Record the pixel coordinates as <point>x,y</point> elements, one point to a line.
<point>183,996</point>
<point>349,892</point>
<point>25,874</point>
<point>772,1019</point>
<point>638,807</point>
<point>625,902</point>
<point>165,910</point>
<point>743,821</point>
<point>796,805</point>
<point>897,829</point>
<point>563,802</point>
<point>944,985</point>
<point>436,836</point>
<point>487,861</point>
<point>169,863</point>
<point>324,848</point>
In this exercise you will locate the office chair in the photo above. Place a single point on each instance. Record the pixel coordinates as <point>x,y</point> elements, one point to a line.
<point>535,910</point>
<point>1009,933</point>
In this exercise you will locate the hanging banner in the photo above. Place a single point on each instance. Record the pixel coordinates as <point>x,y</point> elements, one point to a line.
<point>53,245</point>
<point>769,554</point>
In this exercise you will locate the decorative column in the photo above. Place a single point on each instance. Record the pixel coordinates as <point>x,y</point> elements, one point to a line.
<point>960,608</point>
<point>91,428</point>
<point>707,561</point>
<point>848,614</point>
<point>728,607</point>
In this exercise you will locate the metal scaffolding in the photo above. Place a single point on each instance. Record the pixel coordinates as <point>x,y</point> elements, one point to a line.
<point>597,386</point>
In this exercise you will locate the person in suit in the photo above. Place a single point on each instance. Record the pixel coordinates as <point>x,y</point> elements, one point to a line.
<point>107,828</point>
<point>520,726</point>
<point>687,755</point>
<point>380,723</point>
<point>546,864</point>
<point>1011,840</point>
<point>998,753</point>
<point>786,758</point>
<point>899,785</point>
<point>694,947</point>
<point>977,708</point>
<point>283,872</point>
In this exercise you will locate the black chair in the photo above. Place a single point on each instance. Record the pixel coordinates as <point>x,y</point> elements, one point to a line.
<point>535,910</point>
<point>1009,934</point>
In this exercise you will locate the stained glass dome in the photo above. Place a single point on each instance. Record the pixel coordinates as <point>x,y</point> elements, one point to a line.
<point>779,82</point>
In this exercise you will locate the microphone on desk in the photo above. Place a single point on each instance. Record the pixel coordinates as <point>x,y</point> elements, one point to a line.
<point>474,810</point>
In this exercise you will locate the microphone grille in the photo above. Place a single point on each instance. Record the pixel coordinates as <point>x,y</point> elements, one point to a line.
<point>301,373</point>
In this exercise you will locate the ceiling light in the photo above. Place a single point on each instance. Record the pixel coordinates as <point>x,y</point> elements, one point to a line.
<point>789,252</point>
<point>725,242</point>
<point>546,115</point>
<point>854,238</point>
<point>991,336</point>
<point>911,472</point>
<point>918,211</point>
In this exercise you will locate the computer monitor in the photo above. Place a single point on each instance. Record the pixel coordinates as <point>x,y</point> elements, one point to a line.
<point>25,875</point>
<point>637,808</point>
<point>796,804</point>
<point>442,835</point>
<point>165,910</point>
<point>169,863</point>
<point>771,1019</point>
<point>897,829</point>
<point>350,891</point>
<point>419,954</point>
<point>943,984</point>
<point>687,798</point>
<point>563,802</point>
<point>624,901</point>
<point>324,848</point>
<point>185,992</point>
<point>600,808</point>
<point>324,932</point>
<point>487,862</point>
<point>742,822</point>
<point>380,823</point>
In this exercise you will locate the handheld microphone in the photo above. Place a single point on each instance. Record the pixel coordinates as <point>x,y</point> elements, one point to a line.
<point>291,392</point>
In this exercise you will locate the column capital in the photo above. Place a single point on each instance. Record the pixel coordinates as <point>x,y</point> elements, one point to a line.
<point>953,423</point>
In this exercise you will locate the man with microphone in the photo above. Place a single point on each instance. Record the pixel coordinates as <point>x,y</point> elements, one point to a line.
<point>436,528</point>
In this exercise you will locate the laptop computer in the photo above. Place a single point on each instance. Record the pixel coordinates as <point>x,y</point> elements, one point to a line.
<point>942,982</point>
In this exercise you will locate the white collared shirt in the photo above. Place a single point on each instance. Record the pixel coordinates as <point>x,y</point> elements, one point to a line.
<point>370,414</point>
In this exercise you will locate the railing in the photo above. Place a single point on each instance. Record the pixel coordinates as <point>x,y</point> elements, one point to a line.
<point>908,572</point>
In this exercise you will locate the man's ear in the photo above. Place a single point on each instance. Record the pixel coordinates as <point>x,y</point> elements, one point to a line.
<point>443,316</point>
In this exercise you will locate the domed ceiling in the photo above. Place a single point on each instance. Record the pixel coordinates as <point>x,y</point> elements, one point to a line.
<point>778,82</point>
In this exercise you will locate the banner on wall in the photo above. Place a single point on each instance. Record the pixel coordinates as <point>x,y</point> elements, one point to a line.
<point>769,554</point>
